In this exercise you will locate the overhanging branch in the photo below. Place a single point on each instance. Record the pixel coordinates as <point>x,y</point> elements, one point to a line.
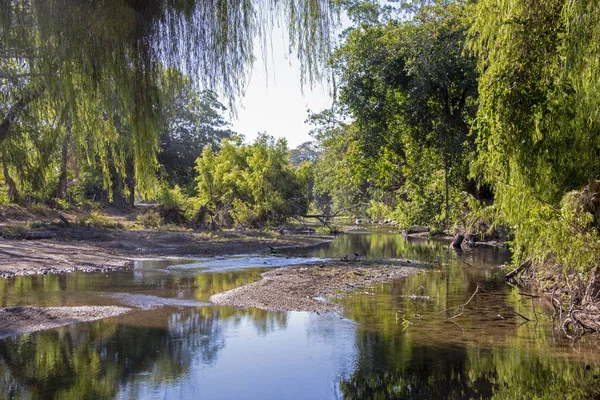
<point>16,109</point>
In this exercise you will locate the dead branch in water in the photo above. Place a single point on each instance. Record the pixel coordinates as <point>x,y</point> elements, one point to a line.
<point>477,289</point>
<point>461,307</point>
<point>524,265</point>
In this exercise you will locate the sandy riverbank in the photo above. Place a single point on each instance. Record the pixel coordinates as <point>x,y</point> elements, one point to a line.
<point>93,250</point>
<point>298,288</point>
<point>18,320</point>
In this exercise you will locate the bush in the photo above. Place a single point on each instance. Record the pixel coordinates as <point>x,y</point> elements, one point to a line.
<point>97,220</point>
<point>150,219</point>
<point>378,210</point>
<point>251,185</point>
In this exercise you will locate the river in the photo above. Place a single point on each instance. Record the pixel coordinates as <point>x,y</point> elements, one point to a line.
<point>394,340</point>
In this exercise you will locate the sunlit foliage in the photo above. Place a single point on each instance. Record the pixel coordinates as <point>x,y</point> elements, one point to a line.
<point>538,124</point>
<point>251,184</point>
<point>101,68</point>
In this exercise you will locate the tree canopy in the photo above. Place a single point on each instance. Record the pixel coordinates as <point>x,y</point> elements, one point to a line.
<point>102,67</point>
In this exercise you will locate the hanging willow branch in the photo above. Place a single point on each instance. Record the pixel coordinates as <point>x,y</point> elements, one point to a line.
<point>112,63</point>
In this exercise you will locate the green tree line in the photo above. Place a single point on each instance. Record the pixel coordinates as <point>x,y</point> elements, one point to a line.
<point>453,114</point>
<point>471,116</point>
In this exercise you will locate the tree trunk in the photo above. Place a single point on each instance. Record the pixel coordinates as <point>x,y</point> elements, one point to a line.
<point>130,182</point>
<point>13,191</point>
<point>457,242</point>
<point>447,192</point>
<point>62,179</point>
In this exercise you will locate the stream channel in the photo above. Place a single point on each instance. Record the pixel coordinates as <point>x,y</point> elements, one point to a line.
<point>393,340</point>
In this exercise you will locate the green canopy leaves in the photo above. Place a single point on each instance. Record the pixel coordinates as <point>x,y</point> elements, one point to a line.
<point>104,66</point>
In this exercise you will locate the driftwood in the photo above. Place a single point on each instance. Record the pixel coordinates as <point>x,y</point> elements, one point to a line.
<point>324,218</point>
<point>462,306</point>
<point>503,304</point>
<point>512,274</point>
<point>457,242</point>
<point>38,235</point>
<point>478,289</point>
<point>64,220</point>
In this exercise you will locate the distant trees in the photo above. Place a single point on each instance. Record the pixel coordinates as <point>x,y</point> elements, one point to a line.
<point>251,185</point>
<point>192,121</point>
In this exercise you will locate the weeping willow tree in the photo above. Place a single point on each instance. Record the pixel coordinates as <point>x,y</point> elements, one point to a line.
<point>539,123</point>
<point>97,72</point>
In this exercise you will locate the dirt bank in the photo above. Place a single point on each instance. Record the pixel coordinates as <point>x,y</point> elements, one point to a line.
<point>17,320</point>
<point>91,250</point>
<point>296,288</point>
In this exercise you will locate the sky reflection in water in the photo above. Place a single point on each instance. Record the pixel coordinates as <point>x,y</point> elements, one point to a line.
<point>390,344</point>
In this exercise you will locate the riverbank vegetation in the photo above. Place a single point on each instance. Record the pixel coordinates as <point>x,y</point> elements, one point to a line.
<point>478,117</point>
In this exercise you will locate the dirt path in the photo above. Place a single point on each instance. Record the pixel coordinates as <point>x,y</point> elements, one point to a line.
<point>17,320</point>
<point>296,288</point>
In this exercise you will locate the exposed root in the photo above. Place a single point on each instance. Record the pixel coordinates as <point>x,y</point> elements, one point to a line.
<point>577,307</point>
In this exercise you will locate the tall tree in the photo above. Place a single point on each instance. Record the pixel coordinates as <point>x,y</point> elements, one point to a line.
<point>538,122</point>
<point>192,121</point>
<point>89,58</point>
<point>412,93</point>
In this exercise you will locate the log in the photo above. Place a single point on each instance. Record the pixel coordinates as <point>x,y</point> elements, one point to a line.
<point>524,265</point>
<point>64,220</point>
<point>39,235</point>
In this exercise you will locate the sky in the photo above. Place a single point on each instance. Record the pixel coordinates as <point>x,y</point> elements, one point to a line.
<point>274,102</point>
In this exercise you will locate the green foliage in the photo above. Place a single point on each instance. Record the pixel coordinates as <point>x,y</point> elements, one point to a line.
<point>173,197</point>
<point>537,124</point>
<point>193,121</point>
<point>4,195</point>
<point>251,184</point>
<point>479,218</point>
<point>175,206</point>
<point>339,181</point>
<point>150,219</point>
<point>407,96</point>
<point>97,220</point>
<point>378,210</point>
<point>99,90</point>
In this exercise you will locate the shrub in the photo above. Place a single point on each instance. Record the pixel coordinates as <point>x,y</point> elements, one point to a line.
<point>97,220</point>
<point>150,219</point>
<point>251,185</point>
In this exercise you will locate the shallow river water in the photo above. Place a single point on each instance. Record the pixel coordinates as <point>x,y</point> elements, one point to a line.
<point>394,340</point>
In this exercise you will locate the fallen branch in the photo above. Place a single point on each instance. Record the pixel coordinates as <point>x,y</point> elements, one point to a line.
<point>524,265</point>
<point>529,295</point>
<point>64,220</point>
<point>461,307</point>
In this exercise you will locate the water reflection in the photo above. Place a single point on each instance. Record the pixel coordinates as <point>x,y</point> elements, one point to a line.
<point>395,341</point>
<point>408,349</point>
<point>377,246</point>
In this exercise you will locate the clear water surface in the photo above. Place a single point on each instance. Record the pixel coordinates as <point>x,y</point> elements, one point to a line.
<point>394,340</point>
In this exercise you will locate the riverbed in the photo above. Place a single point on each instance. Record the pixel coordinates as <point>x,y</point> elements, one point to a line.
<point>407,338</point>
